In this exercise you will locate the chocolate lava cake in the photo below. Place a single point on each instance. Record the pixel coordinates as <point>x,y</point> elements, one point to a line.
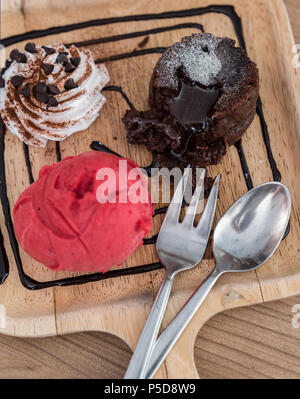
<point>202,97</point>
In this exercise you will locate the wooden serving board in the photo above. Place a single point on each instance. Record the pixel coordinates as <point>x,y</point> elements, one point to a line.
<point>120,306</point>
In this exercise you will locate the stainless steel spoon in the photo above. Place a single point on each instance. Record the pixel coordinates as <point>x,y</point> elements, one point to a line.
<point>246,237</point>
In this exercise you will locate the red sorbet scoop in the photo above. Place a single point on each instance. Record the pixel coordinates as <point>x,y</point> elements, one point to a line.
<point>60,222</point>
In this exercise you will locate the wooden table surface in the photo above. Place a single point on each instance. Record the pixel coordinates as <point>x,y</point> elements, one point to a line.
<point>253,342</point>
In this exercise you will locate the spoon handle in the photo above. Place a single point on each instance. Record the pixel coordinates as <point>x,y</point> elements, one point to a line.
<point>144,349</point>
<point>171,334</point>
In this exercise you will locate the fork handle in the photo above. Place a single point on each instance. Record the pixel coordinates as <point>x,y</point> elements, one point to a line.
<point>140,360</point>
<point>171,334</point>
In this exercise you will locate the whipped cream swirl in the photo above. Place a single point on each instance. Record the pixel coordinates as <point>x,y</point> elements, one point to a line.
<point>51,93</point>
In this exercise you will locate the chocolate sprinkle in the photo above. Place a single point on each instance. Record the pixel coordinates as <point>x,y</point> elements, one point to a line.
<point>2,82</point>
<point>69,67</point>
<point>25,91</point>
<point>42,98</point>
<point>62,57</point>
<point>52,89</point>
<point>15,55</point>
<point>47,68</point>
<point>144,42</point>
<point>75,61</point>
<point>52,102</point>
<point>8,63</point>
<point>40,88</point>
<point>31,48</point>
<point>22,58</point>
<point>70,84</point>
<point>17,80</point>
<point>48,50</point>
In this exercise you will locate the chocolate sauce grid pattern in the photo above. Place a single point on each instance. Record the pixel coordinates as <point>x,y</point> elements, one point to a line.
<point>227,10</point>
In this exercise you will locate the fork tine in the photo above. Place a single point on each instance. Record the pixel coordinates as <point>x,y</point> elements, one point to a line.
<point>207,217</point>
<point>198,193</point>
<point>174,208</point>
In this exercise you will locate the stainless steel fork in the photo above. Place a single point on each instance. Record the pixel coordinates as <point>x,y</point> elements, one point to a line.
<point>180,246</point>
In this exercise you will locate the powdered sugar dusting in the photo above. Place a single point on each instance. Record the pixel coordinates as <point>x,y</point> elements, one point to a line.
<point>197,56</point>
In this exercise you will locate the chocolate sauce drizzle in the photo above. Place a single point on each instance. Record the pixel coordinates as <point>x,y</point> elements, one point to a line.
<point>119,90</point>
<point>264,127</point>
<point>28,163</point>
<point>34,34</point>
<point>131,54</point>
<point>132,35</point>
<point>4,264</point>
<point>4,268</point>
<point>98,146</point>
<point>227,10</point>
<point>244,165</point>
<point>58,153</point>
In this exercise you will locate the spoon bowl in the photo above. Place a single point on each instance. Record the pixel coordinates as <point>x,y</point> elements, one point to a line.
<point>249,232</point>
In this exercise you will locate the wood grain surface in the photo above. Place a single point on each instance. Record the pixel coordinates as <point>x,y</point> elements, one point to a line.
<point>257,341</point>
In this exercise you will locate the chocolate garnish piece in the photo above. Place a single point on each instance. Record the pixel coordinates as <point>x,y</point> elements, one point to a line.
<point>69,67</point>
<point>52,89</point>
<point>25,91</point>
<point>75,61</point>
<point>17,80</point>
<point>143,42</point>
<point>42,98</point>
<point>22,58</point>
<point>47,68</point>
<point>2,82</point>
<point>62,57</point>
<point>52,102</point>
<point>8,63</point>
<point>13,54</point>
<point>48,50</point>
<point>70,84</point>
<point>40,88</point>
<point>16,55</point>
<point>31,48</point>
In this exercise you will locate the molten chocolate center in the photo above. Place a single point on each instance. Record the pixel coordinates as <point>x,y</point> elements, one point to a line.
<point>193,104</point>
